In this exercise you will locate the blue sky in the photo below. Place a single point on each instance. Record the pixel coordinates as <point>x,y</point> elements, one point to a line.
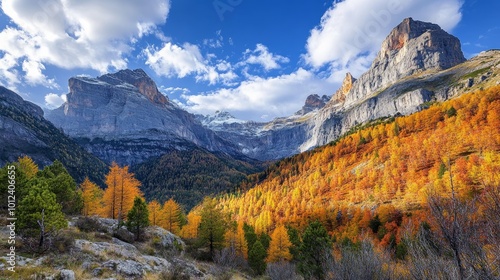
<point>256,59</point>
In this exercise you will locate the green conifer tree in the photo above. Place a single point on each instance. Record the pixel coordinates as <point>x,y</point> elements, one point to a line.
<point>138,217</point>
<point>39,214</point>
<point>314,250</point>
<point>256,258</point>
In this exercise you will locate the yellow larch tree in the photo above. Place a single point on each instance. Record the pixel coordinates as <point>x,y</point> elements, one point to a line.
<point>154,209</point>
<point>190,230</point>
<point>171,216</point>
<point>121,190</point>
<point>279,247</point>
<point>92,198</point>
<point>235,238</point>
<point>28,166</point>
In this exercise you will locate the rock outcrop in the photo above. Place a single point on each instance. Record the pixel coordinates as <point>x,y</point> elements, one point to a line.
<point>313,102</point>
<point>341,93</point>
<point>123,117</point>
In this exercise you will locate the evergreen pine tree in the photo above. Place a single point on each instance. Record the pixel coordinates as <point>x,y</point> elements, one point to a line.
<point>316,246</point>
<point>212,226</point>
<point>138,217</point>
<point>39,215</point>
<point>256,258</point>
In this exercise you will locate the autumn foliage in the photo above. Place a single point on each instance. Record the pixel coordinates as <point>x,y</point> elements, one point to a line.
<point>122,188</point>
<point>384,172</point>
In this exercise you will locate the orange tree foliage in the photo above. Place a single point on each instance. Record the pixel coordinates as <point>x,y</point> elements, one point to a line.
<point>121,190</point>
<point>279,248</point>
<point>235,238</point>
<point>190,230</point>
<point>171,216</point>
<point>92,198</point>
<point>396,163</point>
<point>154,209</point>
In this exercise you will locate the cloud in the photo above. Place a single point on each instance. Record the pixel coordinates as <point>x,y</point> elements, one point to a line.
<point>261,55</point>
<point>34,76</point>
<point>356,28</point>
<point>216,42</point>
<point>180,61</point>
<point>70,34</point>
<point>53,101</point>
<point>265,97</point>
<point>8,75</point>
<point>172,90</point>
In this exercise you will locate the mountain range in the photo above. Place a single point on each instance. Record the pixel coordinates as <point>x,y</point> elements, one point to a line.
<point>123,117</point>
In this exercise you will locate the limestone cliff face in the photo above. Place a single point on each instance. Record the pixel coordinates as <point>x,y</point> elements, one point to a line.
<point>412,47</point>
<point>123,117</point>
<point>389,87</point>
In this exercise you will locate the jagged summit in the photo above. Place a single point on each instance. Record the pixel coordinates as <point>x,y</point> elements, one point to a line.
<point>313,102</point>
<point>139,79</point>
<point>130,80</point>
<point>411,47</point>
<point>341,93</point>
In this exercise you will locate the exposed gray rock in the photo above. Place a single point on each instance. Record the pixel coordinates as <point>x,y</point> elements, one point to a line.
<point>313,102</point>
<point>412,47</point>
<point>166,239</point>
<point>124,235</point>
<point>127,268</point>
<point>67,274</point>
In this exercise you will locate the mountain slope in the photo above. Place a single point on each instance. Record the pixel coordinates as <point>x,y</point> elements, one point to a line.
<point>191,174</point>
<point>394,163</point>
<point>24,131</point>
<point>123,117</point>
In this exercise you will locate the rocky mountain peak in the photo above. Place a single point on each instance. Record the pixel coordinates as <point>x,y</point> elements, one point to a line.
<point>312,103</point>
<point>138,78</point>
<point>411,47</point>
<point>341,93</point>
<point>406,30</point>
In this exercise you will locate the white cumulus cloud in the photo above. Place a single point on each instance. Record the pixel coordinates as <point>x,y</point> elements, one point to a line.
<point>261,97</point>
<point>53,101</point>
<point>91,34</point>
<point>261,55</point>
<point>180,61</point>
<point>354,29</point>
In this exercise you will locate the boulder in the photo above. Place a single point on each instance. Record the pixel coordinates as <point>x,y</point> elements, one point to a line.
<point>66,274</point>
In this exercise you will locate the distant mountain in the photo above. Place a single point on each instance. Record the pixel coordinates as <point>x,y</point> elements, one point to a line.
<point>24,131</point>
<point>123,117</point>
<point>191,174</point>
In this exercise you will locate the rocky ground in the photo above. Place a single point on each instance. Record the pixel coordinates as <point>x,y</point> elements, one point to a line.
<point>98,250</point>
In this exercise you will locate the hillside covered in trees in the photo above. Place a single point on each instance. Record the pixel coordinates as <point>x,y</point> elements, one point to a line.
<point>189,175</point>
<point>422,189</point>
<point>393,163</point>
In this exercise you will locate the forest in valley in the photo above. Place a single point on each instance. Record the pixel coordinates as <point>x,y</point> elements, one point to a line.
<point>414,197</point>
